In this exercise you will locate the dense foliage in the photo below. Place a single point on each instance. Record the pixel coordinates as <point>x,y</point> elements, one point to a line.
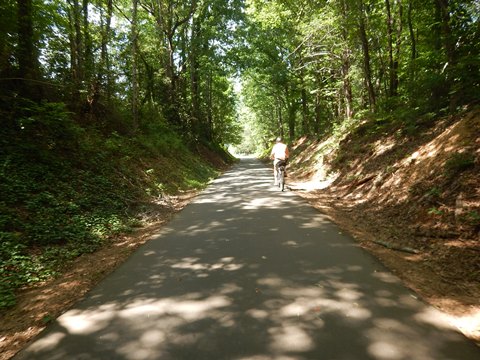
<point>313,65</point>
<point>65,190</point>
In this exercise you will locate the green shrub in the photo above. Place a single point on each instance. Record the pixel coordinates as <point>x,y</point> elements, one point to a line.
<point>473,218</point>
<point>433,193</point>
<point>17,267</point>
<point>65,189</point>
<point>459,162</point>
<point>435,211</point>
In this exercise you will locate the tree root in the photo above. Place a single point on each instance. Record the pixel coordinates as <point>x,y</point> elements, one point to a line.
<point>395,247</point>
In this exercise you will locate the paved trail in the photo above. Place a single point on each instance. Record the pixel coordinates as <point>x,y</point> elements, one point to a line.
<point>246,272</point>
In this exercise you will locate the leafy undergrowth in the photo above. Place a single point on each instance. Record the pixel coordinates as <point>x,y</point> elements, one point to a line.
<point>65,190</point>
<point>411,194</point>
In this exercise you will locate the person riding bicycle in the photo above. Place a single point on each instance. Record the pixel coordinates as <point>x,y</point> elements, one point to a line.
<point>279,154</point>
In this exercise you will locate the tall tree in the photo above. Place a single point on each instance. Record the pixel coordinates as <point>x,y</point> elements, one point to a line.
<point>366,55</point>
<point>394,35</point>
<point>76,50</point>
<point>134,44</point>
<point>170,17</point>
<point>27,54</point>
<point>105,72</point>
<point>346,61</point>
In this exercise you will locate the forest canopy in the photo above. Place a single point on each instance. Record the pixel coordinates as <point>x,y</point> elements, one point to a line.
<point>314,65</point>
<point>123,65</point>
<point>304,65</point>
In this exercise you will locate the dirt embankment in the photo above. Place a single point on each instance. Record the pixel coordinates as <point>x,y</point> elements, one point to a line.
<point>411,196</point>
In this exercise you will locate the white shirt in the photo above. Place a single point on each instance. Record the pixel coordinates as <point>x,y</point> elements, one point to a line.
<point>280,151</point>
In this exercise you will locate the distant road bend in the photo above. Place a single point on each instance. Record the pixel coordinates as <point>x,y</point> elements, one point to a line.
<point>247,272</point>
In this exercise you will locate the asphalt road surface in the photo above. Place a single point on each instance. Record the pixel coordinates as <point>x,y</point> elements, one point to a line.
<point>247,272</point>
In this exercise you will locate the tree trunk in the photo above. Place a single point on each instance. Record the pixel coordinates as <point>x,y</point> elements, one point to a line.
<point>449,46</point>
<point>195,80</point>
<point>76,52</point>
<point>411,32</point>
<point>304,98</point>
<point>78,46</point>
<point>104,73</point>
<point>413,42</point>
<point>149,82</point>
<point>292,109</point>
<point>209,129</point>
<point>134,45</point>
<point>27,55</point>
<point>366,58</point>
<point>305,122</point>
<point>394,80</point>
<point>318,113</point>
<point>347,86</point>
<point>279,116</point>
<point>390,48</point>
<point>393,51</point>
<point>88,47</point>
<point>292,106</point>
<point>170,71</point>
<point>448,42</point>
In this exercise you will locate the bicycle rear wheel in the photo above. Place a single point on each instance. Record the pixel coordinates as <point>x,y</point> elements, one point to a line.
<point>281,179</point>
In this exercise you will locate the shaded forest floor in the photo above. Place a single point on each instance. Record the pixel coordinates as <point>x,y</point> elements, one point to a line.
<point>411,197</point>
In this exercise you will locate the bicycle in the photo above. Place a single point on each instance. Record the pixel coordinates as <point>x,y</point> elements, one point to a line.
<point>280,174</point>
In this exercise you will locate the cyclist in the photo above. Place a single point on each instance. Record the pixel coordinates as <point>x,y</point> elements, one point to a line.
<point>279,153</point>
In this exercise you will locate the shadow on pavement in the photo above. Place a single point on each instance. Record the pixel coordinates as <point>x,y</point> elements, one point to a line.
<point>249,272</point>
